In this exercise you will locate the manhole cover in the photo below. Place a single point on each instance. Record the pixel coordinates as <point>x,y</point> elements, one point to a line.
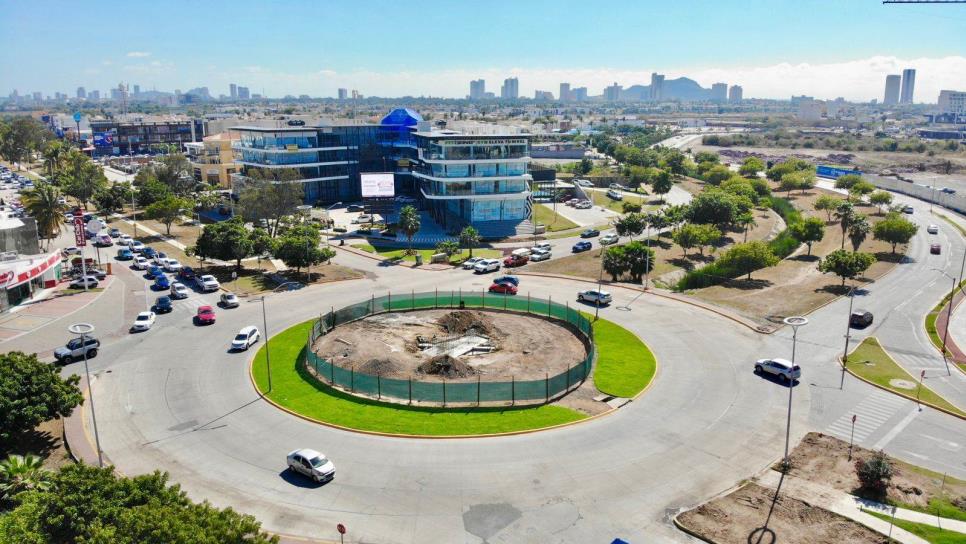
<point>902,384</point>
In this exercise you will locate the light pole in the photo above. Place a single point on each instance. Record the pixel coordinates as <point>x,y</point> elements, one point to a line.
<point>647,255</point>
<point>848,333</point>
<point>268,356</point>
<point>134,212</point>
<point>949,315</point>
<point>83,330</point>
<point>794,322</point>
<point>600,279</point>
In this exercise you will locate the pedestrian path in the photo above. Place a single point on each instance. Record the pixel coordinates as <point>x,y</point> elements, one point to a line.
<point>55,305</point>
<point>870,415</point>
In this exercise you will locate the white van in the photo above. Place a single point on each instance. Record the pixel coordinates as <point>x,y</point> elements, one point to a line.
<point>522,252</point>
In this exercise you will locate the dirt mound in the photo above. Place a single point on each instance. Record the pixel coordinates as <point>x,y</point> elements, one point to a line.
<point>446,367</point>
<point>378,367</point>
<point>468,321</point>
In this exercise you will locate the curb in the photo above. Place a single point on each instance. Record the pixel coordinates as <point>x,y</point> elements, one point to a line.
<point>949,341</point>
<point>72,312</point>
<point>682,527</point>
<point>400,262</point>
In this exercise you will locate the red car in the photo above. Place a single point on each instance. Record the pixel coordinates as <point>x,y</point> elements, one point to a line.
<point>505,288</point>
<point>515,260</point>
<point>206,316</point>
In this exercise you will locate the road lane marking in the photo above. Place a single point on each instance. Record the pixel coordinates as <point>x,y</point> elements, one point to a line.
<point>913,412</point>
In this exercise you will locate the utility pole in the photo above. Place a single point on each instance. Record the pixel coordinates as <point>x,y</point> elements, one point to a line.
<point>848,335</point>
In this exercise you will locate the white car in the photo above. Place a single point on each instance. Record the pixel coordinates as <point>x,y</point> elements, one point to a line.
<point>312,464</point>
<point>487,265</point>
<point>584,205</point>
<point>72,250</point>
<point>179,290</point>
<point>594,296</point>
<point>609,238</point>
<point>364,218</point>
<point>470,263</point>
<point>208,283</point>
<point>137,246</point>
<point>171,265</point>
<point>783,368</point>
<point>140,263</point>
<point>932,229</point>
<point>229,300</point>
<point>537,254</point>
<point>542,245</point>
<point>125,240</point>
<point>143,321</point>
<point>245,338</point>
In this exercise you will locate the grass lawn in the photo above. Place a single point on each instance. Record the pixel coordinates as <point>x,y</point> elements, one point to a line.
<point>400,253</point>
<point>872,362</point>
<point>315,400</point>
<point>624,364</point>
<point>931,534</point>
<point>600,198</point>
<point>544,215</point>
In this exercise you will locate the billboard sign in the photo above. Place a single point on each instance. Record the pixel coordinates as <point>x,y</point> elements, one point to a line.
<point>103,139</point>
<point>80,237</point>
<point>378,185</point>
<point>835,173</point>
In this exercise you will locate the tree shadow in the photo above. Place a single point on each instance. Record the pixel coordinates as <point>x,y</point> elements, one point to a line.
<point>806,258</point>
<point>681,262</point>
<point>889,257</point>
<point>834,289</point>
<point>40,443</point>
<point>748,285</point>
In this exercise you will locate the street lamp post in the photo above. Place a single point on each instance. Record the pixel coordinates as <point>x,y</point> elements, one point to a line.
<point>83,330</point>
<point>949,315</point>
<point>600,279</point>
<point>794,322</point>
<point>848,335</point>
<point>268,355</point>
<point>647,254</point>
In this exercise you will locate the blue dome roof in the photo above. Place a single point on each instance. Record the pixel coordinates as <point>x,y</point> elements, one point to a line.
<point>402,116</point>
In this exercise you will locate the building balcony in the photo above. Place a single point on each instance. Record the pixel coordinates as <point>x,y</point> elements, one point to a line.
<point>464,194</point>
<point>421,175</point>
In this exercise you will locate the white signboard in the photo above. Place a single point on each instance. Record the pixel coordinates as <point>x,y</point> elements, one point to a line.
<point>377,185</point>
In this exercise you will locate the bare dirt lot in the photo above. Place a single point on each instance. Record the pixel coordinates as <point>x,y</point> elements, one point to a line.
<point>739,518</point>
<point>435,343</point>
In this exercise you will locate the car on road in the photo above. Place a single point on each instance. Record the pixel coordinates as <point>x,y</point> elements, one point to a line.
<point>125,240</point>
<point>935,249</point>
<point>782,368</point>
<point>616,186</point>
<point>860,319</point>
<point>363,218</point>
<point>155,271</point>
<point>229,300</point>
<point>609,238</point>
<point>507,278</point>
<point>515,260</point>
<point>161,282</point>
<point>542,245</point>
<point>137,246</point>
<point>908,209</point>
<point>205,315</point>
<point>540,254</point>
<point>594,296</point>
<point>614,195</point>
<point>72,250</point>
<point>90,282</point>
<point>171,265</point>
<point>468,264</point>
<point>487,265</point>
<point>114,233</point>
<point>159,258</point>
<point>140,263</point>
<point>76,348</point>
<point>948,191</point>
<point>572,202</point>
<point>162,305</point>
<point>179,291</point>
<point>581,246</point>
<point>584,183</point>
<point>932,229</point>
<point>186,273</point>
<point>590,233</point>
<point>503,288</point>
<point>124,254</point>
<point>584,205</point>
<point>312,464</point>
<point>208,283</point>
<point>149,253</point>
<point>143,322</point>
<point>355,208</point>
<point>245,338</point>
<point>103,240</point>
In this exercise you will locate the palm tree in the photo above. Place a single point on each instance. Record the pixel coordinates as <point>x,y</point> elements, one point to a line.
<point>746,221</point>
<point>44,205</point>
<point>55,156</point>
<point>409,224</point>
<point>469,237</point>
<point>859,230</point>
<point>20,473</point>
<point>845,213</point>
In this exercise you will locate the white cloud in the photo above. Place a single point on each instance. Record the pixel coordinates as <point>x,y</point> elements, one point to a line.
<point>138,54</point>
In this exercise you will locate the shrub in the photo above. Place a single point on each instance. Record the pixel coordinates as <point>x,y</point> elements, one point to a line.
<point>631,207</point>
<point>874,473</point>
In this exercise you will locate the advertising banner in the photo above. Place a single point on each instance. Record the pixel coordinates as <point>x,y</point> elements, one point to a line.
<point>378,185</point>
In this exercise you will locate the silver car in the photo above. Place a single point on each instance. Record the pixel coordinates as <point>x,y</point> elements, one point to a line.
<point>594,296</point>
<point>782,368</point>
<point>312,464</point>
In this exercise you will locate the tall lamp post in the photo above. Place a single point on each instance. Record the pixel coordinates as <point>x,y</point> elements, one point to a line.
<point>268,355</point>
<point>600,280</point>
<point>949,315</point>
<point>848,336</point>
<point>794,322</point>
<point>83,330</point>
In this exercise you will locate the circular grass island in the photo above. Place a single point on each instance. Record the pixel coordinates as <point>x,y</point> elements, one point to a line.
<point>452,365</point>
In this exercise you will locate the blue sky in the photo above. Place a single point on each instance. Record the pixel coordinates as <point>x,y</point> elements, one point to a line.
<point>435,47</point>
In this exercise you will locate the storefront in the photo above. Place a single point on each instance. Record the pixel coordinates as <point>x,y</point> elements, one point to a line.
<point>21,280</point>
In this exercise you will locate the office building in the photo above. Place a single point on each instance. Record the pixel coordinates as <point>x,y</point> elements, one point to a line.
<point>719,92</point>
<point>565,95</point>
<point>908,86</point>
<point>212,159</point>
<point>796,100</point>
<point>477,89</point>
<point>612,93</point>
<point>343,94</point>
<point>81,93</point>
<point>233,90</point>
<point>580,94</point>
<point>137,90</point>
<point>952,102</point>
<point>735,93</point>
<point>810,109</point>
<point>39,96</point>
<point>133,134</point>
<point>94,95</point>
<point>543,95</point>
<point>657,86</point>
<point>510,90</point>
<point>356,95</point>
<point>243,93</point>
<point>892,90</point>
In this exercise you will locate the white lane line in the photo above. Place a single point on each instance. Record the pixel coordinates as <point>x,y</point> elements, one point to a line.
<point>913,412</point>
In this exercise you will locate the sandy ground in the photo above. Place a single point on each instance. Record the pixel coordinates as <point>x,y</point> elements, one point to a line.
<point>874,161</point>
<point>385,344</point>
<point>46,441</point>
<point>752,514</point>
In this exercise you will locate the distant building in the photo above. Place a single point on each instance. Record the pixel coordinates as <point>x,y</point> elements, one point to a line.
<point>719,92</point>
<point>952,102</point>
<point>908,86</point>
<point>657,86</point>
<point>796,100</point>
<point>356,95</point>
<point>613,93</point>
<point>113,137</point>
<point>81,93</point>
<point>39,96</point>
<point>835,108</point>
<point>477,89</point>
<point>579,94</point>
<point>243,93</point>
<point>810,109</point>
<point>735,93</point>
<point>233,90</point>
<point>510,90</point>
<point>343,94</point>
<point>565,95</point>
<point>542,95</point>
<point>94,95</point>
<point>212,159</point>
<point>137,89</point>
<point>892,90</point>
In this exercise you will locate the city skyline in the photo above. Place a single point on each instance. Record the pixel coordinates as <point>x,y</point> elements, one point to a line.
<point>704,49</point>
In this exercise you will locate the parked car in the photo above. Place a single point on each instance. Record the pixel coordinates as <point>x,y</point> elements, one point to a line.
<point>540,255</point>
<point>229,300</point>
<point>581,246</point>
<point>468,264</point>
<point>487,265</point>
<point>584,205</point>
<point>140,263</point>
<point>149,253</point>
<point>935,249</point>
<point>595,297</point>
<point>72,250</point>
<point>162,305</point>
<point>205,315</point>
<point>311,464</point>
<point>355,208</point>
<point>125,240</point>
<point>908,209</point>
<point>186,273</point>
<point>362,218</point>
<point>114,233</point>
<point>137,246</point>
<point>507,278</point>
<point>521,252</point>
<point>179,290</point>
<point>144,321</point>
<point>515,260</point>
<point>503,288</point>
<point>161,282</point>
<point>860,319</point>
<point>609,238</point>
<point>154,271</point>
<point>245,338</point>
<point>615,195</point>
<point>124,254</point>
<point>542,245</point>
<point>90,282</point>
<point>932,229</point>
<point>76,348</point>
<point>783,368</point>
<point>171,265</point>
<point>590,233</point>
<point>208,283</point>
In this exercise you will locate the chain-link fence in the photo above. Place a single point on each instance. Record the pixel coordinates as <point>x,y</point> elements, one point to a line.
<point>953,201</point>
<point>422,389</point>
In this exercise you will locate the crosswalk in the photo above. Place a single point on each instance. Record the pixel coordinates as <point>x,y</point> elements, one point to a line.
<point>871,414</point>
<point>918,361</point>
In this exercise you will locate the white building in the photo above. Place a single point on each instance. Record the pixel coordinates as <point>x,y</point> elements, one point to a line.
<point>908,86</point>
<point>719,92</point>
<point>510,89</point>
<point>952,102</point>
<point>810,110</point>
<point>892,90</point>
<point>735,93</point>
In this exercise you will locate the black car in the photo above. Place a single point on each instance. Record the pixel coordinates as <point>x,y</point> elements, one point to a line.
<point>860,319</point>
<point>186,273</point>
<point>355,208</point>
<point>590,233</point>
<point>163,305</point>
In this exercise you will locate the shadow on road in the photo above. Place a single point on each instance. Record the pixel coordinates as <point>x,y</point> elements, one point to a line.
<point>299,480</point>
<point>763,534</point>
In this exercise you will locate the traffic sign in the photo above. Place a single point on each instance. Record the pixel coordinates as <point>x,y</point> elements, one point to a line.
<point>77,117</point>
<point>340,528</point>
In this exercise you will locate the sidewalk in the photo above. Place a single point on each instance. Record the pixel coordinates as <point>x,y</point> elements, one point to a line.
<point>55,305</point>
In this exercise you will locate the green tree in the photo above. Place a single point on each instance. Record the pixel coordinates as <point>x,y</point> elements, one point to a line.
<point>746,221</point>
<point>717,174</point>
<point>740,186</point>
<point>32,392</point>
<point>43,204</point>
<point>706,236</point>
<point>709,157</point>
<point>469,238</point>
<point>630,207</point>
<point>687,237</point>
<point>449,247</point>
<point>809,231</point>
<point>858,231</point>
<point>674,161</point>
<point>19,473</point>
<point>859,190</point>
<point>175,171</point>
<point>778,171</point>
<point>716,207</point>
<point>827,204</point>
<point>90,504</point>
<point>847,181</point>
<point>168,210</point>
<point>55,155</point>
<point>629,225</point>
<point>846,264</point>
<point>114,198</point>
<point>747,257</point>
<point>409,225</point>
<point>21,137</point>
<point>152,191</point>
<point>845,213</point>
<point>584,166</point>
<point>894,230</point>
<point>874,474</point>
<point>751,167</point>
<point>881,200</point>
<point>270,200</point>
<point>84,179</point>
<point>226,240</point>
<point>633,259</point>
<point>662,184</point>
<point>299,248</point>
